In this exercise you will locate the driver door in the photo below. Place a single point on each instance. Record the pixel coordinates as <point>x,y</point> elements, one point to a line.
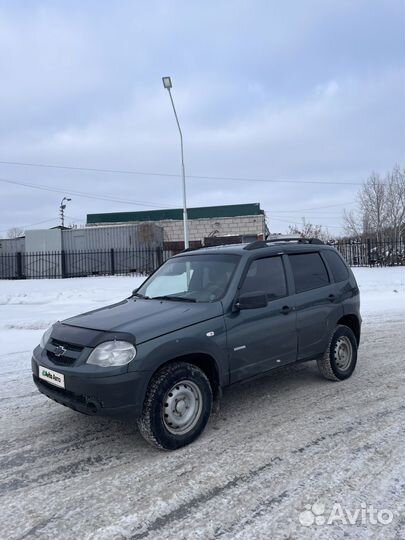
<point>260,339</point>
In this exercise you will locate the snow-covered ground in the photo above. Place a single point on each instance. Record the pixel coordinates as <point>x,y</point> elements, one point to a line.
<point>28,307</point>
<point>382,293</point>
<point>286,441</point>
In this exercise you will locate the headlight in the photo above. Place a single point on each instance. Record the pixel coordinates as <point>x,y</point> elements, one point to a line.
<point>45,337</point>
<point>112,353</point>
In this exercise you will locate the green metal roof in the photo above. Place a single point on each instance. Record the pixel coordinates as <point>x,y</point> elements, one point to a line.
<point>231,210</point>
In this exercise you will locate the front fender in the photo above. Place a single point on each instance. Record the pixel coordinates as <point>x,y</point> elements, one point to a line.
<point>151,355</point>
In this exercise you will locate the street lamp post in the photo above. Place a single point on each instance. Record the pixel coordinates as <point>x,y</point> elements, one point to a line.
<point>167,83</point>
<point>62,210</point>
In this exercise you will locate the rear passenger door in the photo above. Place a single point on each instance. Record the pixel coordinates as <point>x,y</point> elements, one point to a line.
<point>315,302</point>
<point>340,274</point>
<point>262,338</point>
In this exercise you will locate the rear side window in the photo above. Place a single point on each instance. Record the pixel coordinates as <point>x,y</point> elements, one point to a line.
<point>337,266</point>
<point>309,271</point>
<point>266,275</point>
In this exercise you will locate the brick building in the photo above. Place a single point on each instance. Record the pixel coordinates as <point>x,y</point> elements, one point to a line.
<point>206,224</point>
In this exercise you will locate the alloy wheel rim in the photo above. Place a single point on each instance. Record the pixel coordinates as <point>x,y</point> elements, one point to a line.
<point>182,407</point>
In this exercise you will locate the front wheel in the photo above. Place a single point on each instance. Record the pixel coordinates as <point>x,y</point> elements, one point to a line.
<point>177,406</point>
<point>340,358</point>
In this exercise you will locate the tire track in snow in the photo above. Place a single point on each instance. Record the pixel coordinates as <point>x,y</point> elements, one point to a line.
<point>326,435</point>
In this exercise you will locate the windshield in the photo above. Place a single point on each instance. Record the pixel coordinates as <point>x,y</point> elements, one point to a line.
<point>193,278</point>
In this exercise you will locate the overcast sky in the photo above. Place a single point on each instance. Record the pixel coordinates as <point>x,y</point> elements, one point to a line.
<point>308,90</point>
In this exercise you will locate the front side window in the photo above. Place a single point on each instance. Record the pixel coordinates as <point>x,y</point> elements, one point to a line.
<point>193,278</point>
<point>266,275</point>
<point>309,271</point>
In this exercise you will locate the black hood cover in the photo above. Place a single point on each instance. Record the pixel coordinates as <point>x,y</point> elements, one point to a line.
<point>146,319</point>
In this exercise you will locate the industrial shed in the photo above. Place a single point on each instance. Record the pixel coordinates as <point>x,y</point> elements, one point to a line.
<point>62,252</point>
<point>138,235</point>
<point>12,245</point>
<point>235,220</point>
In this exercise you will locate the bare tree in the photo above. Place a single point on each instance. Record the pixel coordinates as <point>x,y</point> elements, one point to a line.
<point>396,202</point>
<point>380,207</point>
<point>309,230</point>
<point>373,205</point>
<point>351,223</point>
<point>15,232</point>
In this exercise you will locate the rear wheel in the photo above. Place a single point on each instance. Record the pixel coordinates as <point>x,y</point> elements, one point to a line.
<point>177,406</point>
<point>340,358</point>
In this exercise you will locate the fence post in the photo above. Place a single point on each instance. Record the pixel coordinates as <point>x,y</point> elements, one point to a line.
<point>112,262</point>
<point>368,252</point>
<point>159,257</point>
<point>63,263</point>
<point>19,265</point>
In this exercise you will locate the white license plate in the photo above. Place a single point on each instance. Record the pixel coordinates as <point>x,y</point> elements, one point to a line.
<point>52,377</point>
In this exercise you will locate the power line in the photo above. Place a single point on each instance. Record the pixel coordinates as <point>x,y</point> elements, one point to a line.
<point>321,213</point>
<point>111,198</point>
<point>306,216</point>
<point>172,175</point>
<point>347,203</point>
<point>75,218</point>
<point>108,198</point>
<point>294,222</point>
<point>32,224</point>
<point>24,227</point>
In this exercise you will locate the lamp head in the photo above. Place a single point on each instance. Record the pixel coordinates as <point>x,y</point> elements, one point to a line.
<point>167,82</point>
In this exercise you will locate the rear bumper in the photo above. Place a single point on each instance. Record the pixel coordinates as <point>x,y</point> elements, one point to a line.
<point>105,396</point>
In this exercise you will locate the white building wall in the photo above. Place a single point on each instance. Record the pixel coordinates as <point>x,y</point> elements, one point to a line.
<point>43,240</point>
<point>12,245</point>
<point>137,235</point>
<point>43,248</point>
<point>201,228</point>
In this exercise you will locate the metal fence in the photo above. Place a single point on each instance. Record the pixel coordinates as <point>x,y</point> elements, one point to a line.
<point>143,261</point>
<point>67,264</point>
<point>370,252</point>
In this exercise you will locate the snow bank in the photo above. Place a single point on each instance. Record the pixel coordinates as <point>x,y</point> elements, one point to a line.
<point>28,307</point>
<point>382,293</point>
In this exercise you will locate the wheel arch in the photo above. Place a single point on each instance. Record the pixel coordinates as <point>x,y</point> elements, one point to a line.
<point>206,363</point>
<point>352,321</point>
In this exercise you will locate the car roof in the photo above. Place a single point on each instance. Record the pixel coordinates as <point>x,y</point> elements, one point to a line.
<point>260,248</point>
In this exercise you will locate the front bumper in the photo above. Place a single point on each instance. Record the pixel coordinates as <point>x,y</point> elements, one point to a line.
<point>94,394</point>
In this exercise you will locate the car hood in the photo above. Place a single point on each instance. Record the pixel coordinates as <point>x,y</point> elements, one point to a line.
<point>146,319</point>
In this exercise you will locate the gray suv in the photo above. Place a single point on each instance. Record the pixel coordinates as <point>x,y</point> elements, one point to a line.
<point>206,319</point>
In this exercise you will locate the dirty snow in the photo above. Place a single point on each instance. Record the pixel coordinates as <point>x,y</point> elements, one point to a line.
<point>289,440</point>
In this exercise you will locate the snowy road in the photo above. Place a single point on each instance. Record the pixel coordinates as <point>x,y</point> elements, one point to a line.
<point>286,441</point>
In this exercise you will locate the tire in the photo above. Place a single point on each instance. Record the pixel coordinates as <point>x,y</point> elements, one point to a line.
<point>177,406</point>
<point>340,358</point>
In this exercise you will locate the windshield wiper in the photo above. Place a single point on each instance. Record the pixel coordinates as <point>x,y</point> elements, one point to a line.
<point>172,297</point>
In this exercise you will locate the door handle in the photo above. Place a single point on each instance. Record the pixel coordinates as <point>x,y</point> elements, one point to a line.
<point>285,310</point>
<point>332,298</point>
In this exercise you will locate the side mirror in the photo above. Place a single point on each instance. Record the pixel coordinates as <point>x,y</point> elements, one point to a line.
<point>251,300</point>
<point>135,291</point>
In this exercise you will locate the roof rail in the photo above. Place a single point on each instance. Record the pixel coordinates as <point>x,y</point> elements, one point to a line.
<point>191,249</point>
<point>282,239</point>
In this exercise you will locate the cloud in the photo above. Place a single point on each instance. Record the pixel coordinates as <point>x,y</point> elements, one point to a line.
<point>328,90</point>
<point>263,90</point>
